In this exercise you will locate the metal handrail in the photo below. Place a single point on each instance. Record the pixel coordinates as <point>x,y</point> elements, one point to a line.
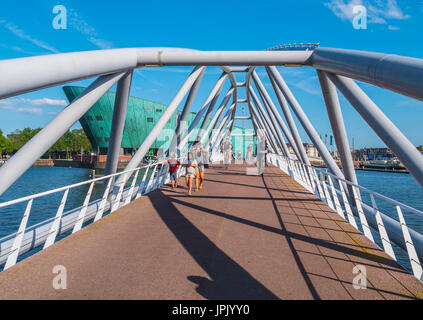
<point>378,195</point>
<point>386,227</point>
<point>12,246</point>
<point>45,193</point>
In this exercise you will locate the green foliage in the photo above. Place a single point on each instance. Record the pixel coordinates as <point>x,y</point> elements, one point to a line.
<point>74,140</point>
<point>71,140</point>
<point>420,148</point>
<point>19,137</point>
<point>4,143</point>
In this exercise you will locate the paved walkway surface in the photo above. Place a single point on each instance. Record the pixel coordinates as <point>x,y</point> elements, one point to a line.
<point>241,237</point>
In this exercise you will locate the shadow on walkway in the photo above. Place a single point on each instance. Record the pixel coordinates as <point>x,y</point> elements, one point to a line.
<point>228,279</point>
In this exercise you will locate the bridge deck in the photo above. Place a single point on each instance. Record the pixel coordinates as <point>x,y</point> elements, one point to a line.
<point>242,237</point>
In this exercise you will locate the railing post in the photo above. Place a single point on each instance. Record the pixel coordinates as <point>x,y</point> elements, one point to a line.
<point>382,231</point>
<point>131,190</point>
<point>14,250</point>
<point>412,254</point>
<point>102,205</point>
<point>56,223</point>
<point>142,186</point>
<point>81,216</point>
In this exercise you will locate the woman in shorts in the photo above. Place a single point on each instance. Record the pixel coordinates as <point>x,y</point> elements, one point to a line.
<point>190,165</point>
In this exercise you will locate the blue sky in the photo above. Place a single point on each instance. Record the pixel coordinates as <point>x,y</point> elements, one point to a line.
<point>392,27</point>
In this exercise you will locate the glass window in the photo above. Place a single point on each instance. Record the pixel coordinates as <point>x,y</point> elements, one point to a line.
<point>149,119</point>
<point>99,118</point>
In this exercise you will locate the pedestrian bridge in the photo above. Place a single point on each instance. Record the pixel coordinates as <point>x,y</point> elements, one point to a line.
<point>292,231</point>
<point>241,237</point>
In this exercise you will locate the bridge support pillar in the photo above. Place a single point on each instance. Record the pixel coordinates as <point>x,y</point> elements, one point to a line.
<point>338,128</point>
<point>154,133</point>
<point>43,140</point>
<point>182,121</point>
<point>382,126</point>
<point>118,123</point>
<point>267,124</point>
<point>289,119</point>
<point>274,114</point>
<point>305,122</point>
<point>204,108</point>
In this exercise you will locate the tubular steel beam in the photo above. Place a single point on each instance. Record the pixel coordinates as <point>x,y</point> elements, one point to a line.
<point>211,105</point>
<point>182,121</point>
<point>382,126</point>
<point>203,109</point>
<point>118,123</point>
<point>305,122</point>
<point>274,114</point>
<point>217,114</point>
<point>268,124</point>
<point>338,127</point>
<point>264,125</point>
<point>43,140</point>
<point>148,141</point>
<point>266,113</point>
<point>392,72</point>
<point>33,73</point>
<point>289,119</point>
<point>185,57</point>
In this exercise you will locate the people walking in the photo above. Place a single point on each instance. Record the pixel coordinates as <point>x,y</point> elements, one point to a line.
<point>173,169</point>
<point>227,152</point>
<point>261,155</point>
<point>200,154</point>
<point>191,165</point>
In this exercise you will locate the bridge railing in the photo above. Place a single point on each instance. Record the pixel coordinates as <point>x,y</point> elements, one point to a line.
<point>362,212</point>
<point>144,180</point>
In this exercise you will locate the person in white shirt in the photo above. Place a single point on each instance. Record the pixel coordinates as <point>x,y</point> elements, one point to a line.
<point>190,165</point>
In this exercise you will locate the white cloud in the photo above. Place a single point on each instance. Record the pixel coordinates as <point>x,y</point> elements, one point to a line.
<point>29,110</point>
<point>394,28</point>
<point>21,34</point>
<point>343,10</point>
<point>88,31</point>
<point>309,85</point>
<point>378,11</point>
<point>22,105</point>
<point>46,102</point>
<point>34,102</point>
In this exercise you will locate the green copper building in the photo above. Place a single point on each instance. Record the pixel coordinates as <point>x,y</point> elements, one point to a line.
<point>141,117</point>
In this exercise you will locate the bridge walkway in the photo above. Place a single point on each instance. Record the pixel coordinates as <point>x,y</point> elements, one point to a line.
<point>241,237</point>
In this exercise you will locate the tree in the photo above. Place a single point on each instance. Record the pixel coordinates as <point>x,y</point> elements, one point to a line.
<point>4,144</point>
<point>72,140</point>
<point>420,148</point>
<point>19,137</point>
